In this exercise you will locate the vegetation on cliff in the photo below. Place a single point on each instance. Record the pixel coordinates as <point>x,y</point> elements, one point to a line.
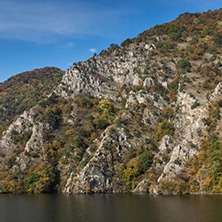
<point>143,116</point>
<point>23,91</point>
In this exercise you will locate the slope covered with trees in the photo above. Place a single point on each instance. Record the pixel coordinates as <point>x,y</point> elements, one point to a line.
<point>23,91</point>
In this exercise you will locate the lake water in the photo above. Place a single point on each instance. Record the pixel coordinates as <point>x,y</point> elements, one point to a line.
<point>110,208</point>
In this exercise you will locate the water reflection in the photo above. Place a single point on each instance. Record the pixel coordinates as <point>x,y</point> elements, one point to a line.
<point>110,208</point>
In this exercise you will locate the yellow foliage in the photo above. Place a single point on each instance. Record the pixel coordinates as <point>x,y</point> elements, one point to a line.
<point>93,135</point>
<point>138,117</point>
<point>132,169</point>
<point>64,172</point>
<point>87,190</point>
<point>48,109</point>
<point>87,128</point>
<point>118,94</point>
<point>54,150</point>
<point>104,104</point>
<point>69,132</point>
<point>207,182</point>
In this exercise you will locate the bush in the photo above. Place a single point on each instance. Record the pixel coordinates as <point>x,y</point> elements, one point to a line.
<point>136,133</point>
<point>31,179</point>
<point>101,124</point>
<point>126,42</point>
<point>42,180</point>
<point>164,128</point>
<point>173,85</point>
<point>52,116</point>
<point>79,142</point>
<point>132,171</point>
<point>184,64</point>
<point>195,104</point>
<point>218,38</point>
<point>206,84</point>
<point>216,114</point>
<point>168,113</point>
<point>177,162</point>
<point>11,161</point>
<point>27,136</point>
<point>146,160</point>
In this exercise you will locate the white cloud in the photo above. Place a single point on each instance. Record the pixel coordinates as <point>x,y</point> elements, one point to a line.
<point>92,50</point>
<point>70,64</point>
<point>47,22</point>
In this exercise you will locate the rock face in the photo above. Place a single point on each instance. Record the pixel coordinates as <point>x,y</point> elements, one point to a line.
<point>130,119</point>
<point>24,126</point>
<point>98,174</point>
<point>101,76</point>
<point>190,131</point>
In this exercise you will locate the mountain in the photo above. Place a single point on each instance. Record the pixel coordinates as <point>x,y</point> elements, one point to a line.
<point>144,116</point>
<point>23,91</point>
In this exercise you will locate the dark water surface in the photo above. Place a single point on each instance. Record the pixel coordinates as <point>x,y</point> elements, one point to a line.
<point>110,208</point>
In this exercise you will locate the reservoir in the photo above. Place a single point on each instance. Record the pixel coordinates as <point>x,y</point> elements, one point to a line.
<point>109,208</point>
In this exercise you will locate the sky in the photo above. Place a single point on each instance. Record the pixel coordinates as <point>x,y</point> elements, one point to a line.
<point>39,33</point>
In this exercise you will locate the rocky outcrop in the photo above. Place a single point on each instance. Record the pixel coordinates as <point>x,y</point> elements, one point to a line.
<point>102,76</point>
<point>189,132</point>
<point>217,92</point>
<point>24,130</point>
<point>97,175</point>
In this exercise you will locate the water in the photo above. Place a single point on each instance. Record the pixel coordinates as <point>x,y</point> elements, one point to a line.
<point>110,208</point>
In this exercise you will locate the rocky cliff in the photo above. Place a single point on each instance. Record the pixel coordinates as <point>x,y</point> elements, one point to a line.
<point>143,117</point>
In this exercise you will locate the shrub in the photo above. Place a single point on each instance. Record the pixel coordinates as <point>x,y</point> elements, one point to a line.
<point>164,128</point>
<point>195,104</point>
<point>126,42</point>
<point>79,142</point>
<point>101,124</point>
<point>146,160</point>
<point>31,179</point>
<point>132,171</point>
<point>177,162</point>
<point>216,114</point>
<point>136,133</point>
<point>42,180</point>
<point>184,64</point>
<point>173,85</point>
<point>218,38</point>
<point>168,113</point>
<point>52,115</point>
<point>206,84</point>
<point>27,136</point>
<point>11,161</point>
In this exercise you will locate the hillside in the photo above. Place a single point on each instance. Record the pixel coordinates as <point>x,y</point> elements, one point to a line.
<point>23,91</point>
<point>144,116</point>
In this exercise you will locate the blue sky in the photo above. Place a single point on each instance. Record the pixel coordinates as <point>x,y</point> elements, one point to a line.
<point>35,34</point>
